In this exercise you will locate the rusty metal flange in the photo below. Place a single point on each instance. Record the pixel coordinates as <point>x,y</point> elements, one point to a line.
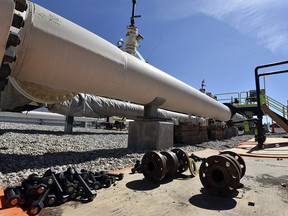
<point>154,166</point>
<point>183,159</point>
<point>219,175</point>
<point>239,159</point>
<point>235,162</point>
<point>172,163</point>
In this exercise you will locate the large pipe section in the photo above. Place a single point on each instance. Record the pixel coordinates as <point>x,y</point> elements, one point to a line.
<point>56,58</point>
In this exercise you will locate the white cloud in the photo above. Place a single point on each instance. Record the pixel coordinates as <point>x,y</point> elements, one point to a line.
<point>264,19</point>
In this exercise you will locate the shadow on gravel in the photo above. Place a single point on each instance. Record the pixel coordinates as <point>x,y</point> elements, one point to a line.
<point>14,162</point>
<point>58,133</point>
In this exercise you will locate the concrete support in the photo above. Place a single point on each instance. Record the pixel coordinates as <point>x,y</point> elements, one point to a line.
<point>69,125</point>
<point>152,135</point>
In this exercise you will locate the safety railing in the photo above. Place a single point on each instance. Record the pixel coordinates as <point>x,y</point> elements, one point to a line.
<point>248,98</point>
<point>229,97</point>
<point>277,107</point>
<point>239,99</point>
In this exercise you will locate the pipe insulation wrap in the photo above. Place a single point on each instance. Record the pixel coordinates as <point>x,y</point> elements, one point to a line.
<point>97,107</point>
<point>59,54</point>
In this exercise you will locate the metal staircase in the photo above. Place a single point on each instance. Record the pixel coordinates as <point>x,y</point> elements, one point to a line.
<point>247,104</point>
<point>276,111</point>
<point>277,107</point>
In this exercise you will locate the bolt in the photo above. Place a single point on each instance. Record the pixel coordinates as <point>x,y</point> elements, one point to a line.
<point>21,5</point>
<point>118,176</point>
<point>38,204</point>
<point>12,198</point>
<point>18,21</point>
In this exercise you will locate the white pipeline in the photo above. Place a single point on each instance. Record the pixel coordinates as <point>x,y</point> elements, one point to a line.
<point>62,56</point>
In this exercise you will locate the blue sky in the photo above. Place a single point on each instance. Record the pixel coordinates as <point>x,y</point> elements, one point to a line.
<point>217,40</point>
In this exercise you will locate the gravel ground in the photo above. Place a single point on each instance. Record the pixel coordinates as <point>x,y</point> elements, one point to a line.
<point>27,148</point>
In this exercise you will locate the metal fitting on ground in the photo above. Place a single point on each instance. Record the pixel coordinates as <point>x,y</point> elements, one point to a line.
<point>221,174</point>
<point>157,165</point>
<point>37,192</point>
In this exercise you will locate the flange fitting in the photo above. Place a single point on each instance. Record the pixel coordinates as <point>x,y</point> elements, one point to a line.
<point>157,165</point>
<point>221,174</point>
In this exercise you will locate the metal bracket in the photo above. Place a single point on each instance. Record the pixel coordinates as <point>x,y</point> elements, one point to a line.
<point>150,109</point>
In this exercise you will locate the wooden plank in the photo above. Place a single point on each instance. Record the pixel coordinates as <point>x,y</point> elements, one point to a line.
<point>273,148</point>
